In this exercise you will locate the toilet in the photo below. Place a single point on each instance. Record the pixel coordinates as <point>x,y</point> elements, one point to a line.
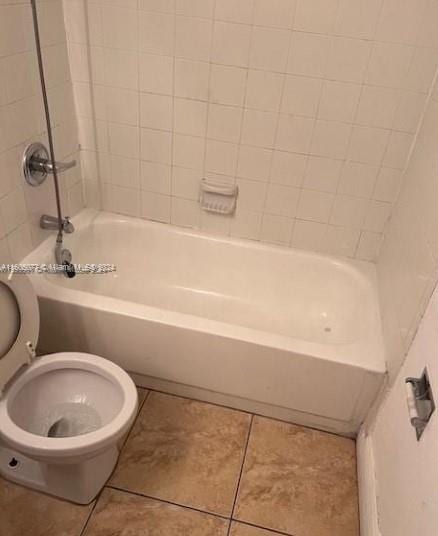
<point>63,417</point>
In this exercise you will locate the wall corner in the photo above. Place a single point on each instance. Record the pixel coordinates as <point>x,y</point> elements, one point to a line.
<point>369,520</point>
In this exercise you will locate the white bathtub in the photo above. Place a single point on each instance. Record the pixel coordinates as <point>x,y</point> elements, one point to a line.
<point>280,332</point>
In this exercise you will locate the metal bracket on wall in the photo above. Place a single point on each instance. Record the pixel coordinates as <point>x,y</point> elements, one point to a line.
<point>421,404</point>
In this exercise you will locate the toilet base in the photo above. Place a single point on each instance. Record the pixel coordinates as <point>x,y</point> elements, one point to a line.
<point>77,482</point>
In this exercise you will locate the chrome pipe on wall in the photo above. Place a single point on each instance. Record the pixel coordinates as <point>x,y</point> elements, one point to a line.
<point>62,255</point>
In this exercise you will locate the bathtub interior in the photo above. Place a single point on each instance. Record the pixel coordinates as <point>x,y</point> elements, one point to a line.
<point>267,288</point>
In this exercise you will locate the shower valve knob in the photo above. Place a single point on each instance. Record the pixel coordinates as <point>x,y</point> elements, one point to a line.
<point>37,164</point>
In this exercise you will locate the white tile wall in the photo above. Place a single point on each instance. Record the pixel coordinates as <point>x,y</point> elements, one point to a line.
<point>309,105</point>
<point>408,265</point>
<point>22,122</point>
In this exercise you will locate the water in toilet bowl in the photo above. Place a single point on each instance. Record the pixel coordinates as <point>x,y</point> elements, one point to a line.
<point>68,419</point>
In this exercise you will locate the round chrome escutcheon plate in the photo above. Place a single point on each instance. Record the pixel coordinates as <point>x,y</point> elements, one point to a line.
<point>34,153</point>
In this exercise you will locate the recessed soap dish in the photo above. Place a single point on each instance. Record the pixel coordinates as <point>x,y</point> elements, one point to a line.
<point>218,197</point>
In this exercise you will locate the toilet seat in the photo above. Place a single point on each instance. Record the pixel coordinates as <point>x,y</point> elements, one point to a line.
<point>21,351</point>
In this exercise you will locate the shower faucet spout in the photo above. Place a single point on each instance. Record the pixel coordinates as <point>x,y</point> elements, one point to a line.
<point>51,223</point>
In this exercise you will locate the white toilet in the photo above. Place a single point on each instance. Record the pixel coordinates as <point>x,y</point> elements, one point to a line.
<point>62,416</point>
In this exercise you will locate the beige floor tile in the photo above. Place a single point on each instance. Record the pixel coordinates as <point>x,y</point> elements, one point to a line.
<point>185,452</point>
<point>239,529</point>
<point>122,514</point>
<point>27,513</point>
<point>299,481</point>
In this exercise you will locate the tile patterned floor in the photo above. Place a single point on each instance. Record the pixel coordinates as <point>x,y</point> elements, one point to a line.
<point>307,478</point>
<point>185,452</point>
<point>195,469</point>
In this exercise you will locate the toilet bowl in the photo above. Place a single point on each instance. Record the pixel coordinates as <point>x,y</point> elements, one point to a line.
<point>62,416</point>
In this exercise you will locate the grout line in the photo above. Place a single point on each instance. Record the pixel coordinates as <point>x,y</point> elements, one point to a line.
<point>254,414</point>
<point>201,216</point>
<point>168,393</point>
<point>173,133</point>
<point>140,407</point>
<point>87,521</point>
<point>291,27</point>
<point>274,147</point>
<point>138,126</point>
<point>187,507</point>
<point>243,108</point>
<point>193,509</point>
<point>145,398</point>
<point>257,69</point>
<point>241,471</point>
<point>355,125</point>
